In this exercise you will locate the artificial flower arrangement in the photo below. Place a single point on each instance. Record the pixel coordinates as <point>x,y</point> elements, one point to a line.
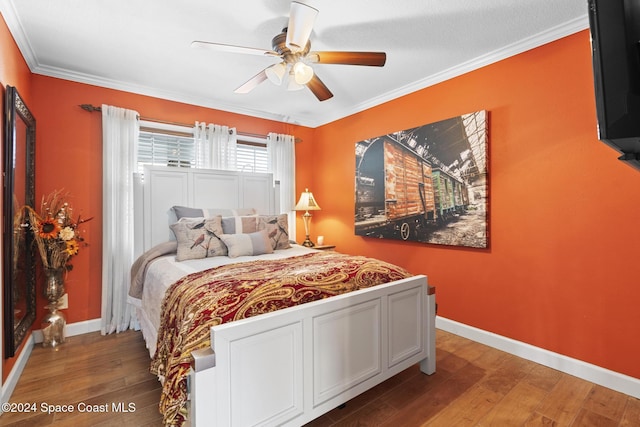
<point>56,234</point>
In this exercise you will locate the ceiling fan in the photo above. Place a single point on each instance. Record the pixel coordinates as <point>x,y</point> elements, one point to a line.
<point>293,47</point>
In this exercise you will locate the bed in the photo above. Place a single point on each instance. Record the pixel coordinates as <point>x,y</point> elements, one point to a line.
<point>275,361</point>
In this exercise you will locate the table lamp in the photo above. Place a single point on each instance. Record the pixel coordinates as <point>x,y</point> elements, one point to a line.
<point>307,203</point>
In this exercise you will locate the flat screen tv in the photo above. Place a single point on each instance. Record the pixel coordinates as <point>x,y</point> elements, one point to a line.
<point>615,42</point>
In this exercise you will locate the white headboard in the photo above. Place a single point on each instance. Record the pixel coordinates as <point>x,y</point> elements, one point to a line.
<point>163,187</point>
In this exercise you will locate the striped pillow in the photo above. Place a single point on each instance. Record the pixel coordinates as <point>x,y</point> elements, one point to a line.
<point>247,244</point>
<point>239,224</point>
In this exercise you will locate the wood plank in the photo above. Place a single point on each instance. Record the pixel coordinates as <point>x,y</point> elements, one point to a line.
<point>508,374</point>
<point>543,377</point>
<point>606,402</point>
<point>587,418</point>
<point>564,402</point>
<point>516,407</point>
<point>467,410</point>
<point>631,416</point>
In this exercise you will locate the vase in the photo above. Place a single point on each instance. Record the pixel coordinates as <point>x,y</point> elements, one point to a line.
<point>54,285</point>
<point>54,322</point>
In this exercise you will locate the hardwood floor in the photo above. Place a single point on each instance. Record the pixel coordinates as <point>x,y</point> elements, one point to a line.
<point>474,385</point>
<point>89,370</point>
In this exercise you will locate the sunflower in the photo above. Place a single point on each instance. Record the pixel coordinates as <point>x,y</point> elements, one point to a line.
<point>72,247</point>
<point>48,228</point>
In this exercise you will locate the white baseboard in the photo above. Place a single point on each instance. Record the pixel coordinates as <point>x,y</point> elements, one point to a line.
<point>72,329</point>
<point>592,373</point>
<point>14,375</point>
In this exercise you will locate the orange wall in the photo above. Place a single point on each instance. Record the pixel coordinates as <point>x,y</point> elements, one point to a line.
<point>13,72</point>
<point>564,238</point>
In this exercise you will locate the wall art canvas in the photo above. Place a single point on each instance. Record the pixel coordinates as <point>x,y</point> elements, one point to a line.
<point>426,184</point>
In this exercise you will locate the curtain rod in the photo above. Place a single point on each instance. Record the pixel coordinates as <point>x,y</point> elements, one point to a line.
<point>91,108</point>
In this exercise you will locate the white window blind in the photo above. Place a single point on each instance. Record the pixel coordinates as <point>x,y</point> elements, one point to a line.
<point>162,148</point>
<point>251,157</point>
<point>158,149</point>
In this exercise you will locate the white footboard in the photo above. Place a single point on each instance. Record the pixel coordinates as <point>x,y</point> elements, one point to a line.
<point>291,366</point>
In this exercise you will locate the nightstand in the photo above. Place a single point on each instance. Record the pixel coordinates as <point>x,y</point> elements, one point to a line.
<point>324,247</point>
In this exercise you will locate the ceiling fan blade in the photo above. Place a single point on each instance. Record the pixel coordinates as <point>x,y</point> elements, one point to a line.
<point>233,49</point>
<point>319,89</point>
<point>376,59</point>
<point>301,20</point>
<point>252,82</point>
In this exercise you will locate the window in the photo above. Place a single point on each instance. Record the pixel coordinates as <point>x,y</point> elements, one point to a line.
<point>251,157</point>
<point>161,147</point>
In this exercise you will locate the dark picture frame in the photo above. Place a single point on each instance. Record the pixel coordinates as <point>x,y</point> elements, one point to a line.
<point>19,274</point>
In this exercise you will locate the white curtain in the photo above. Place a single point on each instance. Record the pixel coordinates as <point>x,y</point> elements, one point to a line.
<point>215,146</point>
<point>120,131</point>
<point>282,162</point>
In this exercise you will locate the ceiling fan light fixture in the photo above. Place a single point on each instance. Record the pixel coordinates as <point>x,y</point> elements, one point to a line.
<point>293,47</point>
<point>275,73</point>
<point>302,73</point>
<point>301,20</point>
<point>292,84</point>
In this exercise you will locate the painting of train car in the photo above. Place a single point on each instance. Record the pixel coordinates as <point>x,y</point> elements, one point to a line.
<point>425,184</point>
<point>394,193</point>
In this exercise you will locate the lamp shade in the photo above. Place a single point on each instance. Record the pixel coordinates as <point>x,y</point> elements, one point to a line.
<point>307,202</point>
<point>302,73</point>
<point>291,83</point>
<point>276,72</point>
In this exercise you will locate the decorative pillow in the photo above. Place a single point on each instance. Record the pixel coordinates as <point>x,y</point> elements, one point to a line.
<point>198,238</point>
<point>247,244</point>
<point>240,224</point>
<point>277,227</point>
<point>186,212</point>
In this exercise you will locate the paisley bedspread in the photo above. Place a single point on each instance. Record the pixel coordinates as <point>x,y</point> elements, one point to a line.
<point>201,300</point>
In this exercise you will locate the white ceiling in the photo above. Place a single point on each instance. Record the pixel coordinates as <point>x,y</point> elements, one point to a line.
<point>143,46</point>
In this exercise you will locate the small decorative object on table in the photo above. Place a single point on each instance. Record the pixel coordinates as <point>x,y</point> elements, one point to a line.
<point>58,239</point>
